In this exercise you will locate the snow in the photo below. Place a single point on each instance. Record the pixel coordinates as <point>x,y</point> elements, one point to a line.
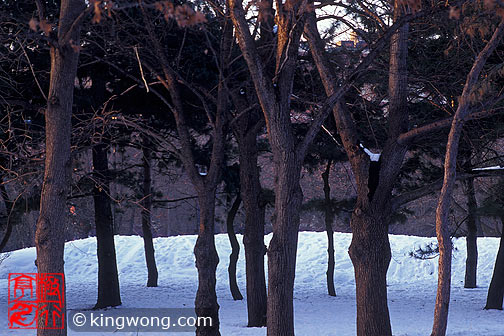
<point>489,168</point>
<point>372,156</point>
<point>411,285</point>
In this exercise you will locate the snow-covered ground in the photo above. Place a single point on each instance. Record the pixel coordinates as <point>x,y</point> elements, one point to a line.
<point>412,285</point>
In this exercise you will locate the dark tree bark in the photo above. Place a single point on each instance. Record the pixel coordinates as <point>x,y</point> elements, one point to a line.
<point>443,208</point>
<point>370,254</point>
<point>496,290</point>
<point>283,246</point>
<point>246,127</point>
<point>472,236</point>
<point>206,263</point>
<point>8,209</point>
<point>253,238</point>
<point>108,279</point>
<point>235,249</point>
<point>329,216</point>
<point>150,259</point>
<point>49,236</point>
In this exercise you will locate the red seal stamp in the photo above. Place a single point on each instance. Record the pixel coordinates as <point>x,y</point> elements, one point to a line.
<point>35,297</point>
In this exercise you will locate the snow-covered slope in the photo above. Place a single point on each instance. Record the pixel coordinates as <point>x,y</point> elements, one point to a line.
<point>412,284</point>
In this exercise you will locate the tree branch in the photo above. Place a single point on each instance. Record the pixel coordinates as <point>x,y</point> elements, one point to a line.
<point>410,196</point>
<point>412,135</point>
<point>375,50</point>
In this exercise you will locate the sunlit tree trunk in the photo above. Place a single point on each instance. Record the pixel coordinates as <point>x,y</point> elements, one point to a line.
<point>49,236</point>
<point>450,165</point>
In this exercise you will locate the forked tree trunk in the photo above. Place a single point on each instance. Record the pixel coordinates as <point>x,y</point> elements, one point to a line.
<point>274,96</point>
<point>370,248</point>
<point>235,249</point>
<point>370,254</point>
<point>329,230</point>
<point>206,262</point>
<point>108,279</point>
<point>150,259</point>
<point>496,289</point>
<point>282,248</point>
<point>49,236</point>
<point>472,237</point>
<point>253,238</point>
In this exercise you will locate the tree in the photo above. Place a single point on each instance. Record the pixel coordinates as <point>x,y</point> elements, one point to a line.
<point>150,260</point>
<point>329,230</point>
<point>370,248</point>
<point>274,97</point>
<point>472,235</point>
<point>49,238</point>
<point>9,207</point>
<point>246,126</point>
<point>274,94</point>
<point>232,188</point>
<point>320,153</point>
<point>108,278</point>
<point>92,95</point>
<point>235,247</point>
<point>493,206</point>
<point>496,289</point>
<point>162,65</point>
<point>443,208</point>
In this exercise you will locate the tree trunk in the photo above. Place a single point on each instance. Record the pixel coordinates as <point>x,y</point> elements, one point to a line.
<point>150,259</point>
<point>108,279</point>
<point>329,230</point>
<point>282,248</point>
<point>253,238</point>
<point>49,236</point>
<point>9,209</point>
<point>206,262</point>
<point>370,254</point>
<point>450,165</point>
<point>370,248</point>
<point>496,289</point>
<point>274,96</point>
<point>444,275</point>
<point>235,249</point>
<point>472,237</point>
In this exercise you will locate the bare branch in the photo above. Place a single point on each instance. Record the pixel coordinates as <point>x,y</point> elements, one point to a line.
<point>141,69</point>
<point>414,134</point>
<point>410,196</point>
<point>31,68</point>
